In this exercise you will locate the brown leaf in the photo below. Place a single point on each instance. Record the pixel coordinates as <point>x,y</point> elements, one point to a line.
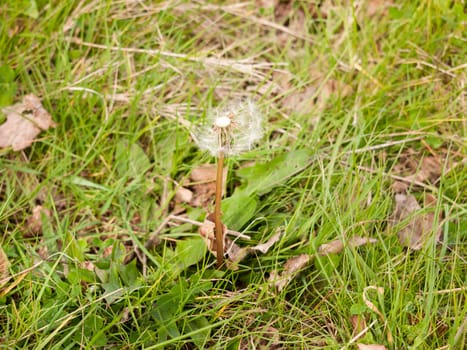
<point>419,226</point>
<point>375,8</point>
<point>291,268</point>
<point>24,122</point>
<point>234,252</point>
<point>264,247</point>
<point>358,324</point>
<point>204,173</point>
<point>207,232</point>
<point>3,265</point>
<point>400,186</point>
<point>204,187</point>
<point>337,246</point>
<point>35,221</point>
<point>267,338</point>
<point>266,3</point>
<point>361,346</point>
<point>412,170</point>
<point>183,195</point>
<point>315,98</point>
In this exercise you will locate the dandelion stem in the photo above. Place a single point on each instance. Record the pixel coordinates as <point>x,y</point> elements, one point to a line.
<point>217,210</point>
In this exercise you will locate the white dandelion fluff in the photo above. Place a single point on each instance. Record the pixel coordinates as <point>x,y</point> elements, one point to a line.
<point>231,130</point>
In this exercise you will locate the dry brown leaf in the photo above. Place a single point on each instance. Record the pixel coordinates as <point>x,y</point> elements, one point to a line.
<point>291,268</point>
<point>183,195</point>
<point>418,228</point>
<point>204,187</point>
<point>24,122</point>
<point>372,307</point>
<point>3,266</point>
<point>337,246</point>
<point>264,247</point>
<point>267,338</point>
<point>358,323</point>
<point>412,170</point>
<point>266,3</point>
<point>204,173</point>
<point>35,221</point>
<point>300,102</point>
<point>207,232</point>
<point>361,346</point>
<point>374,8</point>
<point>234,252</point>
<point>315,98</point>
<point>369,304</point>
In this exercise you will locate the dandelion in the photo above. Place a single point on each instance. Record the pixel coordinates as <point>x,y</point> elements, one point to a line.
<point>228,131</point>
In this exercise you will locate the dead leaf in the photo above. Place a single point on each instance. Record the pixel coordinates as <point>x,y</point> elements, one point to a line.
<point>358,324</point>
<point>204,173</point>
<point>418,228</point>
<point>204,186</point>
<point>412,170</point>
<point>266,3</point>
<point>3,266</point>
<point>301,102</point>
<point>267,339</point>
<point>373,8</point>
<point>400,186</point>
<point>283,79</point>
<point>183,195</point>
<point>291,268</point>
<point>372,307</point>
<point>370,347</point>
<point>337,246</point>
<point>24,122</point>
<point>35,221</point>
<point>207,232</point>
<point>264,247</point>
<point>314,98</point>
<point>235,253</point>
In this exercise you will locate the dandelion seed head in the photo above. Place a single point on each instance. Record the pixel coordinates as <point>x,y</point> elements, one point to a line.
<point>231,130</point>
<point>222,122</point>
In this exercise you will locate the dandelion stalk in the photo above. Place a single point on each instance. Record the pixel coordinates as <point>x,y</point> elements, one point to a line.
<point>217,210</point>
<point>227,132</point>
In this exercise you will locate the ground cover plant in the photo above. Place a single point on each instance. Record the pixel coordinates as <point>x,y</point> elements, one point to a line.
<point>345,227</point>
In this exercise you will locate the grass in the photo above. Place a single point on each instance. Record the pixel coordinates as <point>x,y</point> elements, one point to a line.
<point>346,91</point>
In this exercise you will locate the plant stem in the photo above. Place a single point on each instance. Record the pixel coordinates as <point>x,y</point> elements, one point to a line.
<point>217,210</point>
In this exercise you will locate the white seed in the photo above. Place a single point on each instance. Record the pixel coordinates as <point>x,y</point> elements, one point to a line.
<point>222,122</point>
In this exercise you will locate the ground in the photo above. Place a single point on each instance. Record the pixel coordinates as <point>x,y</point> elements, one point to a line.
<point>354,200</point>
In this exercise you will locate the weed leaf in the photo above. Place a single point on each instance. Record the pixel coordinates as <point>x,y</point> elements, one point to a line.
<point>239,209</point>
<point>131,160</point>
<point>262,178</point>
<point>189,252</point>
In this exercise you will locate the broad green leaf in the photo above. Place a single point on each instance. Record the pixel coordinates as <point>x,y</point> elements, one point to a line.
<point>74,248</point>
<point>163,313</point>
<point>31,9</point>
<point>77,275</point>
<point>7,87</point>
<point>80,181</point>
<point>262,178</point>
<point>129,273</point>
<point>358,309</point>
<point>131,160</point>
<point>200,325</point>
<point>238,209</point>
<point>327,265</point>
<point>112,286</point>
<point>189,251</point>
